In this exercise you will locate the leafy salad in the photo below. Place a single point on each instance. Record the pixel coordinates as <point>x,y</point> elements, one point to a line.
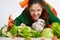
<point>28,32</point>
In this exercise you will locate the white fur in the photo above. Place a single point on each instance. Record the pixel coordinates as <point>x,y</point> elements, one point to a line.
<point>38,25</point>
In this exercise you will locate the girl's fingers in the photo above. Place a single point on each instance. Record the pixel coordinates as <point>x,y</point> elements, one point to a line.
<point>22,24</point>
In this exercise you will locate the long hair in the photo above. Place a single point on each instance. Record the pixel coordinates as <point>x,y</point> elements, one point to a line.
<point>45,15</point>
<point>45,12</point>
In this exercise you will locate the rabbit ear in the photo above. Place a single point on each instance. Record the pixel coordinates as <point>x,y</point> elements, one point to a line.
<point>40,20</point>
<point>24,3</point>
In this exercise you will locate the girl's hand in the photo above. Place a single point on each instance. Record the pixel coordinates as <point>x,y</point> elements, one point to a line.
<point>22,24</point>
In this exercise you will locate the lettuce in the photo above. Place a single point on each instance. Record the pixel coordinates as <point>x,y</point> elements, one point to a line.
<point>56,28</point>
<point>13,30</point>
<point>27,32</point>
<point>48,33</point>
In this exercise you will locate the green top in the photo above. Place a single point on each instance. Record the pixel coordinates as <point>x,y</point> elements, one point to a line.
<point>26,18</point>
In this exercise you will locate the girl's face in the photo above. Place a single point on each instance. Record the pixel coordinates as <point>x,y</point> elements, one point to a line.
<point>35,11</point>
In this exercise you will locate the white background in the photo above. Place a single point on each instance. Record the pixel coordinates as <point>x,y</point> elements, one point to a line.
<point>12,7</point>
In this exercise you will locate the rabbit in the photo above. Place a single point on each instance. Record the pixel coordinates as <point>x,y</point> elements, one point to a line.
<point>38,25</point>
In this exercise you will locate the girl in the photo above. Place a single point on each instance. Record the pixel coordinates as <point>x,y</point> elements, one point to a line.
<point>36,9</point>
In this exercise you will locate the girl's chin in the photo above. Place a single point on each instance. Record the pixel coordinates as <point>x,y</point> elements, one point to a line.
<point>35,19</point>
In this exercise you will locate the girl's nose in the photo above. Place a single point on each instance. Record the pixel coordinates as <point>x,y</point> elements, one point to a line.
<point>35,13</point>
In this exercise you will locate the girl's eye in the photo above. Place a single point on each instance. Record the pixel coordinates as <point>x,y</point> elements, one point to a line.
<point>38,10</point>
<point>32,10</point>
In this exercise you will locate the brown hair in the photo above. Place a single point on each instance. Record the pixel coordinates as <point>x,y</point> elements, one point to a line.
<point>45,12</point>
<point>45,15</point>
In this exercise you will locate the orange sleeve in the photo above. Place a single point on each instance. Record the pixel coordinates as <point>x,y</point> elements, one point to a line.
<point>24,3</point>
